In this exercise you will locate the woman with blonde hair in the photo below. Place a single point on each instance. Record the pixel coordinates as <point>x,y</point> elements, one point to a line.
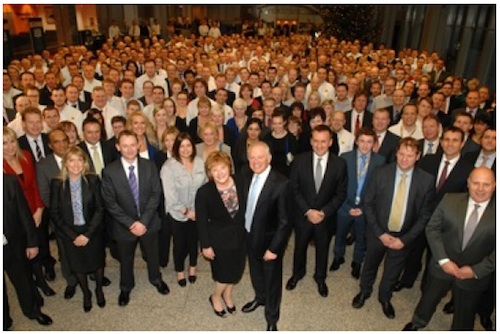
<point>76,209</point>
<point>21,164</point>
<point>238,122</point>
<point>220,211</point>
<point>204,107</point>
<point>181,104</point>
<point>226,135</point>
<point>211,142</point>
<point>140,125</point>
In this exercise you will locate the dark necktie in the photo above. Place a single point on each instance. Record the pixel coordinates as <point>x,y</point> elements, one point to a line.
<point>134,186</point>
<point>357,125</point>
<point>38,151</point>
<point>444,175</point>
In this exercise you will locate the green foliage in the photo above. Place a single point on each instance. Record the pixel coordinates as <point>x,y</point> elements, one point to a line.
<point>350,22</point>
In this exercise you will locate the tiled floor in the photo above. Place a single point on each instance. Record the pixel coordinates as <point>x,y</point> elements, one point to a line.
<point>188,309</point>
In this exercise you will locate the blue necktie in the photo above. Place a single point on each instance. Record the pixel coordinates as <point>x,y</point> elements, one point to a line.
<point>251,202</point>
<point>361,177</point>
<point>134,186</point>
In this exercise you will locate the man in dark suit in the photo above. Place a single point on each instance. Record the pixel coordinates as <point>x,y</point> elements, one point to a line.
<point>34,141</point>
<point>449,169</point>
<point>100,155</point>
<point>46,91</point>
<point>464,121</point>
<point>439,74</point>
<point>461,235</point>
<point>319,185</point>
<point>358,117</point>
<point>398,102</point>
<point>487,155</point>
<point>268,230</point>
<point>438,107</point>
<point>386,141</point>
<point>397,206</point>
<point>73,100</point>
<point>430,129</point>
<point>20,244</point>
<point>360,164</point>
<point>220,83</point>
<point>131,190</point>
<point>471,105</point>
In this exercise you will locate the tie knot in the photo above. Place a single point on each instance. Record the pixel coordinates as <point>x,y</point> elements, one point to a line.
<point>319,159</point>
<point>363,157</point>
<point>131,168</point>
<point>403,176</point>
<point>94,147</point>
<point>476,207</point>
<point>446,162</point>
<point>431,144</point>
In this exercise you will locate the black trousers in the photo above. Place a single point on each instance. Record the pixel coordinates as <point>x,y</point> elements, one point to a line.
<point>304,231</point>
<point>126,249</point>
<point>185,238</point>
<point>413,263</point>
<point>267,282</point>
<point>164,236</point>
<point>393,265</point>
<point>44,256</point>
<point>17,267</point>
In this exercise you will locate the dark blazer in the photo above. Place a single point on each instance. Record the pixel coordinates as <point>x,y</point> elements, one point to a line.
<point>230,96</point>
<point>455,182</point>
<point>23,143</point>
<point>445,234</point>
<point>352,179</point>
<point>423,149</point>
<point>45,95</point>
<point>444,119</point>
<point>216,227</point>
<point>333,189</point>
<point>367,120</point>
<point>456,111</point>
<point>88,97</point>
<point>11,114</point>
<point>229,136</point>
<point>398,117</point>
<point>108,154</point>
<point>18,224</point>
<point>46,170</point>
<point>472,158</point>
<point>378,202</point>
<point>119,200</point>
<point>440,79</point>
<point>470,146</point>
<point>271,225</point>
<point>388,147</point>
<point>61,210</point>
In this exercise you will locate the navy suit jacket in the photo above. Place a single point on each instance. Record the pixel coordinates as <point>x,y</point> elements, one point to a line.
<point>367,120</point>
<point>378,202</point>
<point>119,200</point>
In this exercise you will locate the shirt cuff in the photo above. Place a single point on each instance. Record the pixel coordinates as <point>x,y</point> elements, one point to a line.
<point>443,261</point>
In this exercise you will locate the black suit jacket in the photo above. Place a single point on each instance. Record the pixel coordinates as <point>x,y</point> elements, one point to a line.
<point>388,147</point>
<point>119,200</point>
<point>378,202</point>
<point>216,227</point>
<point>456,111</point>
<point>444,119</point>
<point>46,170</point>
<point>333,190</point>
<point>394,119</point>
<point>455,182</point>
<point>45,95</point>
<point>470,146</point>
<point>367,120</point>
<point>472,158</point>
<point>108,154</point>
<point>230,96</point>
<point>23,144</point>
<point>445,235</point>
<point>18,224</point>
<point>271,225</point>
<point>423,149</point>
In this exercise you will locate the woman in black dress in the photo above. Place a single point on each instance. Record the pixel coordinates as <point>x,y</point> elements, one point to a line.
<point>76,209</point>
<point>220,218</point>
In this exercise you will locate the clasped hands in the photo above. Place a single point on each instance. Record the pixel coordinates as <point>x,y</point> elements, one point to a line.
<point>391,242</point>
<point>315,216</point>
<point>138,229</point>
<point>451,268</point>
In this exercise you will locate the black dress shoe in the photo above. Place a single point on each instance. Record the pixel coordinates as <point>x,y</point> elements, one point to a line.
<point>221,314</point>
<point>449,307</point>
<point>398,286</point>
<point>388,309</point>
<point>69,292</point>
<point>99,296</point>
<point>292,283</point>
<point>192,278</point>
<point>7,324</point>
<point>322,289</point>
<point>356,270</point>
<point>162,288</point>
<point>182,282</point>
<point>43,319</point>
<point>50,274</point>
<point>410,327</point>
<point>359,300</point>
<point>271,327</point>
<point>251,306</point>
<point>48,291</point>
<point>486,323</point>
<point>124,298</point>
<point>87,301</point>
<point>336,263</point>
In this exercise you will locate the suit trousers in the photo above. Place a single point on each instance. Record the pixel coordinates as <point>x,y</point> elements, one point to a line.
<point>164,236</point>
<point>17,267</point>
<point>393,265</point>
<point>267,282</point>
<point>413,264</point>
<point>185,239</point>
<point>487,304</point>
<point>44,257</point>
<point>126,249</point>
<point>345,222</point>
<point>304,231</point>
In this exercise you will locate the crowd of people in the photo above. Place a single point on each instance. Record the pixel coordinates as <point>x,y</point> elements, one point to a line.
<point>224,145</point>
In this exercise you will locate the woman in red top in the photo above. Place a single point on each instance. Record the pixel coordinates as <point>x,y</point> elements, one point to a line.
<point>21,164</point>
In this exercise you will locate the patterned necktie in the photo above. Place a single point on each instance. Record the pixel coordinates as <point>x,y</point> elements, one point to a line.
<point>251,202</point>
<point>361,177</point>
<point>429,148</point>
<point>38,150</point>
<point>318,175</point>
<point>444,175</point>
<point>97,160</point>
<point>134,186</point>
<point>471,225</point>
<point>485,160</point>
<point>398,205</point>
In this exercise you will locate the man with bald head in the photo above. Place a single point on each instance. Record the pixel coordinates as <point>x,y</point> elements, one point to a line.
<point>461,236</point>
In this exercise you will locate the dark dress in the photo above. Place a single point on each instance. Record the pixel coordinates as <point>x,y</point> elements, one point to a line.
<point>283,150</point>
<point>90,257</point>
<point>220,219</point>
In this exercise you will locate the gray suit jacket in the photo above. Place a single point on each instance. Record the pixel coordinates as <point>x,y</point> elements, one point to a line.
<point>119,200</point>
<point>445,234</point>
<point>46,170</point>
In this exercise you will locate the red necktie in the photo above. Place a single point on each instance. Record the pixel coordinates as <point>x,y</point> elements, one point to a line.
<point>356,126</point>
<point>444,175</point>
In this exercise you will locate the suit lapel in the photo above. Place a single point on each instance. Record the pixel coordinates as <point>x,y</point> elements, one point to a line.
<point>123,179</point>
<point>266,190</point>
<point>67,194</point>
<point>486,219</point>
<point>143,177</point>
<point>459,214</point>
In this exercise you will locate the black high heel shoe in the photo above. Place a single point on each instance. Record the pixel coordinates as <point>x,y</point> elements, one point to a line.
<point>182,282</point>
<point>221,314</point>
<point>87,301</point>
<point>192,279</point>
<point>231,310</point>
